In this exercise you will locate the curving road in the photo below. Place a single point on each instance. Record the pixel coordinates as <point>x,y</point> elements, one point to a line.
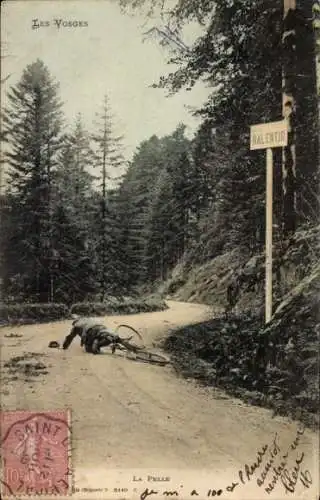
<point>142,428</point>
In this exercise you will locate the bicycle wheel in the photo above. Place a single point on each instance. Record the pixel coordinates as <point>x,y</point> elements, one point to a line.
<point>136,340</point>
<point>151,357</point>
<point>125,344</point>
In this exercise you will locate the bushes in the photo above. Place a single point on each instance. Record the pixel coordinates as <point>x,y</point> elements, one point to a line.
<point>227,348</point>
<point>41,313</point>
<point>274,365</point>
<point>91,308</point>
<point>127,306</point>
<point>32,313</point>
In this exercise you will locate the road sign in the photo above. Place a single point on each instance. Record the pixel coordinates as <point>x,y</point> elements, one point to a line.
<point>269,135</point>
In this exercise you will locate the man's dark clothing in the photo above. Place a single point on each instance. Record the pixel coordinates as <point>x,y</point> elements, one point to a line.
<point>93,335</point>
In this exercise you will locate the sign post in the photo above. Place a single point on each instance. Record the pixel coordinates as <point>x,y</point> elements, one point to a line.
<point>268,136</point>
<point>269,211</point>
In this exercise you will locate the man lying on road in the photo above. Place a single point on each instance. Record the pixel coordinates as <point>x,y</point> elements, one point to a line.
<point>93,335</point>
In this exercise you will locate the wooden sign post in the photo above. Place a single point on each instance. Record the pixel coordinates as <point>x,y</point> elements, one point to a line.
<point>268,136</point>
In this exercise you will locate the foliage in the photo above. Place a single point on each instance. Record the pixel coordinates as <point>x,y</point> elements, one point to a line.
<point>279,360</point>
<point>25,313</point>
<point>216,187</point>
<point>108,158</point>
<point>32,313</point>
<point>240,56</point>
<point>32,125</point>
<point>61,236</point>
<point>168,220</point>
<point>74,271</point>
<point>157,202</point>
<point>133,199</point>
<point>128,306</point>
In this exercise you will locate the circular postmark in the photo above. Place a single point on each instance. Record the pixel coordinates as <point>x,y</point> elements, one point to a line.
<point>35,453</point>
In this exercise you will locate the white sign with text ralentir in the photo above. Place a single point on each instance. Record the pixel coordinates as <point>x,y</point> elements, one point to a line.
<point>269,135</point>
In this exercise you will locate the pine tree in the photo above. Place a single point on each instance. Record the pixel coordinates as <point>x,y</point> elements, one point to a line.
<point>32,125</point>
<point>303,75</point>
<point>74,272</point>
<point>74,209</point>
<point>245,50</point>
<point>134,197</point>
<point>157,230</point>
<point>160,193</point>
<point>74,180</point>
<point>108,159</point>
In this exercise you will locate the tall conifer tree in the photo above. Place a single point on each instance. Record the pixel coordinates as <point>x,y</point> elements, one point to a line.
<point>32,126</point>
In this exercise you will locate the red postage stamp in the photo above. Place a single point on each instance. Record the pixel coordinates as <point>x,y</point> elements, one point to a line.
<point>35,453</point>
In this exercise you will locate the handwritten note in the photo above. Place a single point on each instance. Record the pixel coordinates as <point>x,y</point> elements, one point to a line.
<point>279,468</point>
<point>272,465</point>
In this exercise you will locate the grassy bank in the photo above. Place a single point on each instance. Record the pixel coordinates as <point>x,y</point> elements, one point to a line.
<point>24,313</point>
<point>274,366</point>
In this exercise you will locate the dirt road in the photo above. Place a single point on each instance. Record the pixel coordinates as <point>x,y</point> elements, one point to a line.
<point>132,422</point>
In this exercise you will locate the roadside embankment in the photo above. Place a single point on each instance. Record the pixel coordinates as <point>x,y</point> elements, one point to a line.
<point>276,366</point>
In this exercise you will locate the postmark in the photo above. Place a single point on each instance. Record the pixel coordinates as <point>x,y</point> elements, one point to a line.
<point>35,453</point>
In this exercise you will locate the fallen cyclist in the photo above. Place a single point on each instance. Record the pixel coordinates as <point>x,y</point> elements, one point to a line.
<point>93,335</point>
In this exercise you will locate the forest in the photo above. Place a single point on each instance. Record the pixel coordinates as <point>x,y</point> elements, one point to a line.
<point>186,217</point>
<point>69,235</point>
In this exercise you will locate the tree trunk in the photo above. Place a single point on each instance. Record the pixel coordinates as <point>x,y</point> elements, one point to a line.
<point>288,111</point>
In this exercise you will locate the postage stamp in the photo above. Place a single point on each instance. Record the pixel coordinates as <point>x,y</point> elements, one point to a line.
<point>35,454</point>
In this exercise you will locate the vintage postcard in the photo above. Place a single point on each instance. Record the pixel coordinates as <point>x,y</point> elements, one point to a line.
<point>159,256</point>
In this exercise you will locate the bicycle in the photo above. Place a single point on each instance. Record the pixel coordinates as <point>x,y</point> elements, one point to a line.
<point>135,351</point>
